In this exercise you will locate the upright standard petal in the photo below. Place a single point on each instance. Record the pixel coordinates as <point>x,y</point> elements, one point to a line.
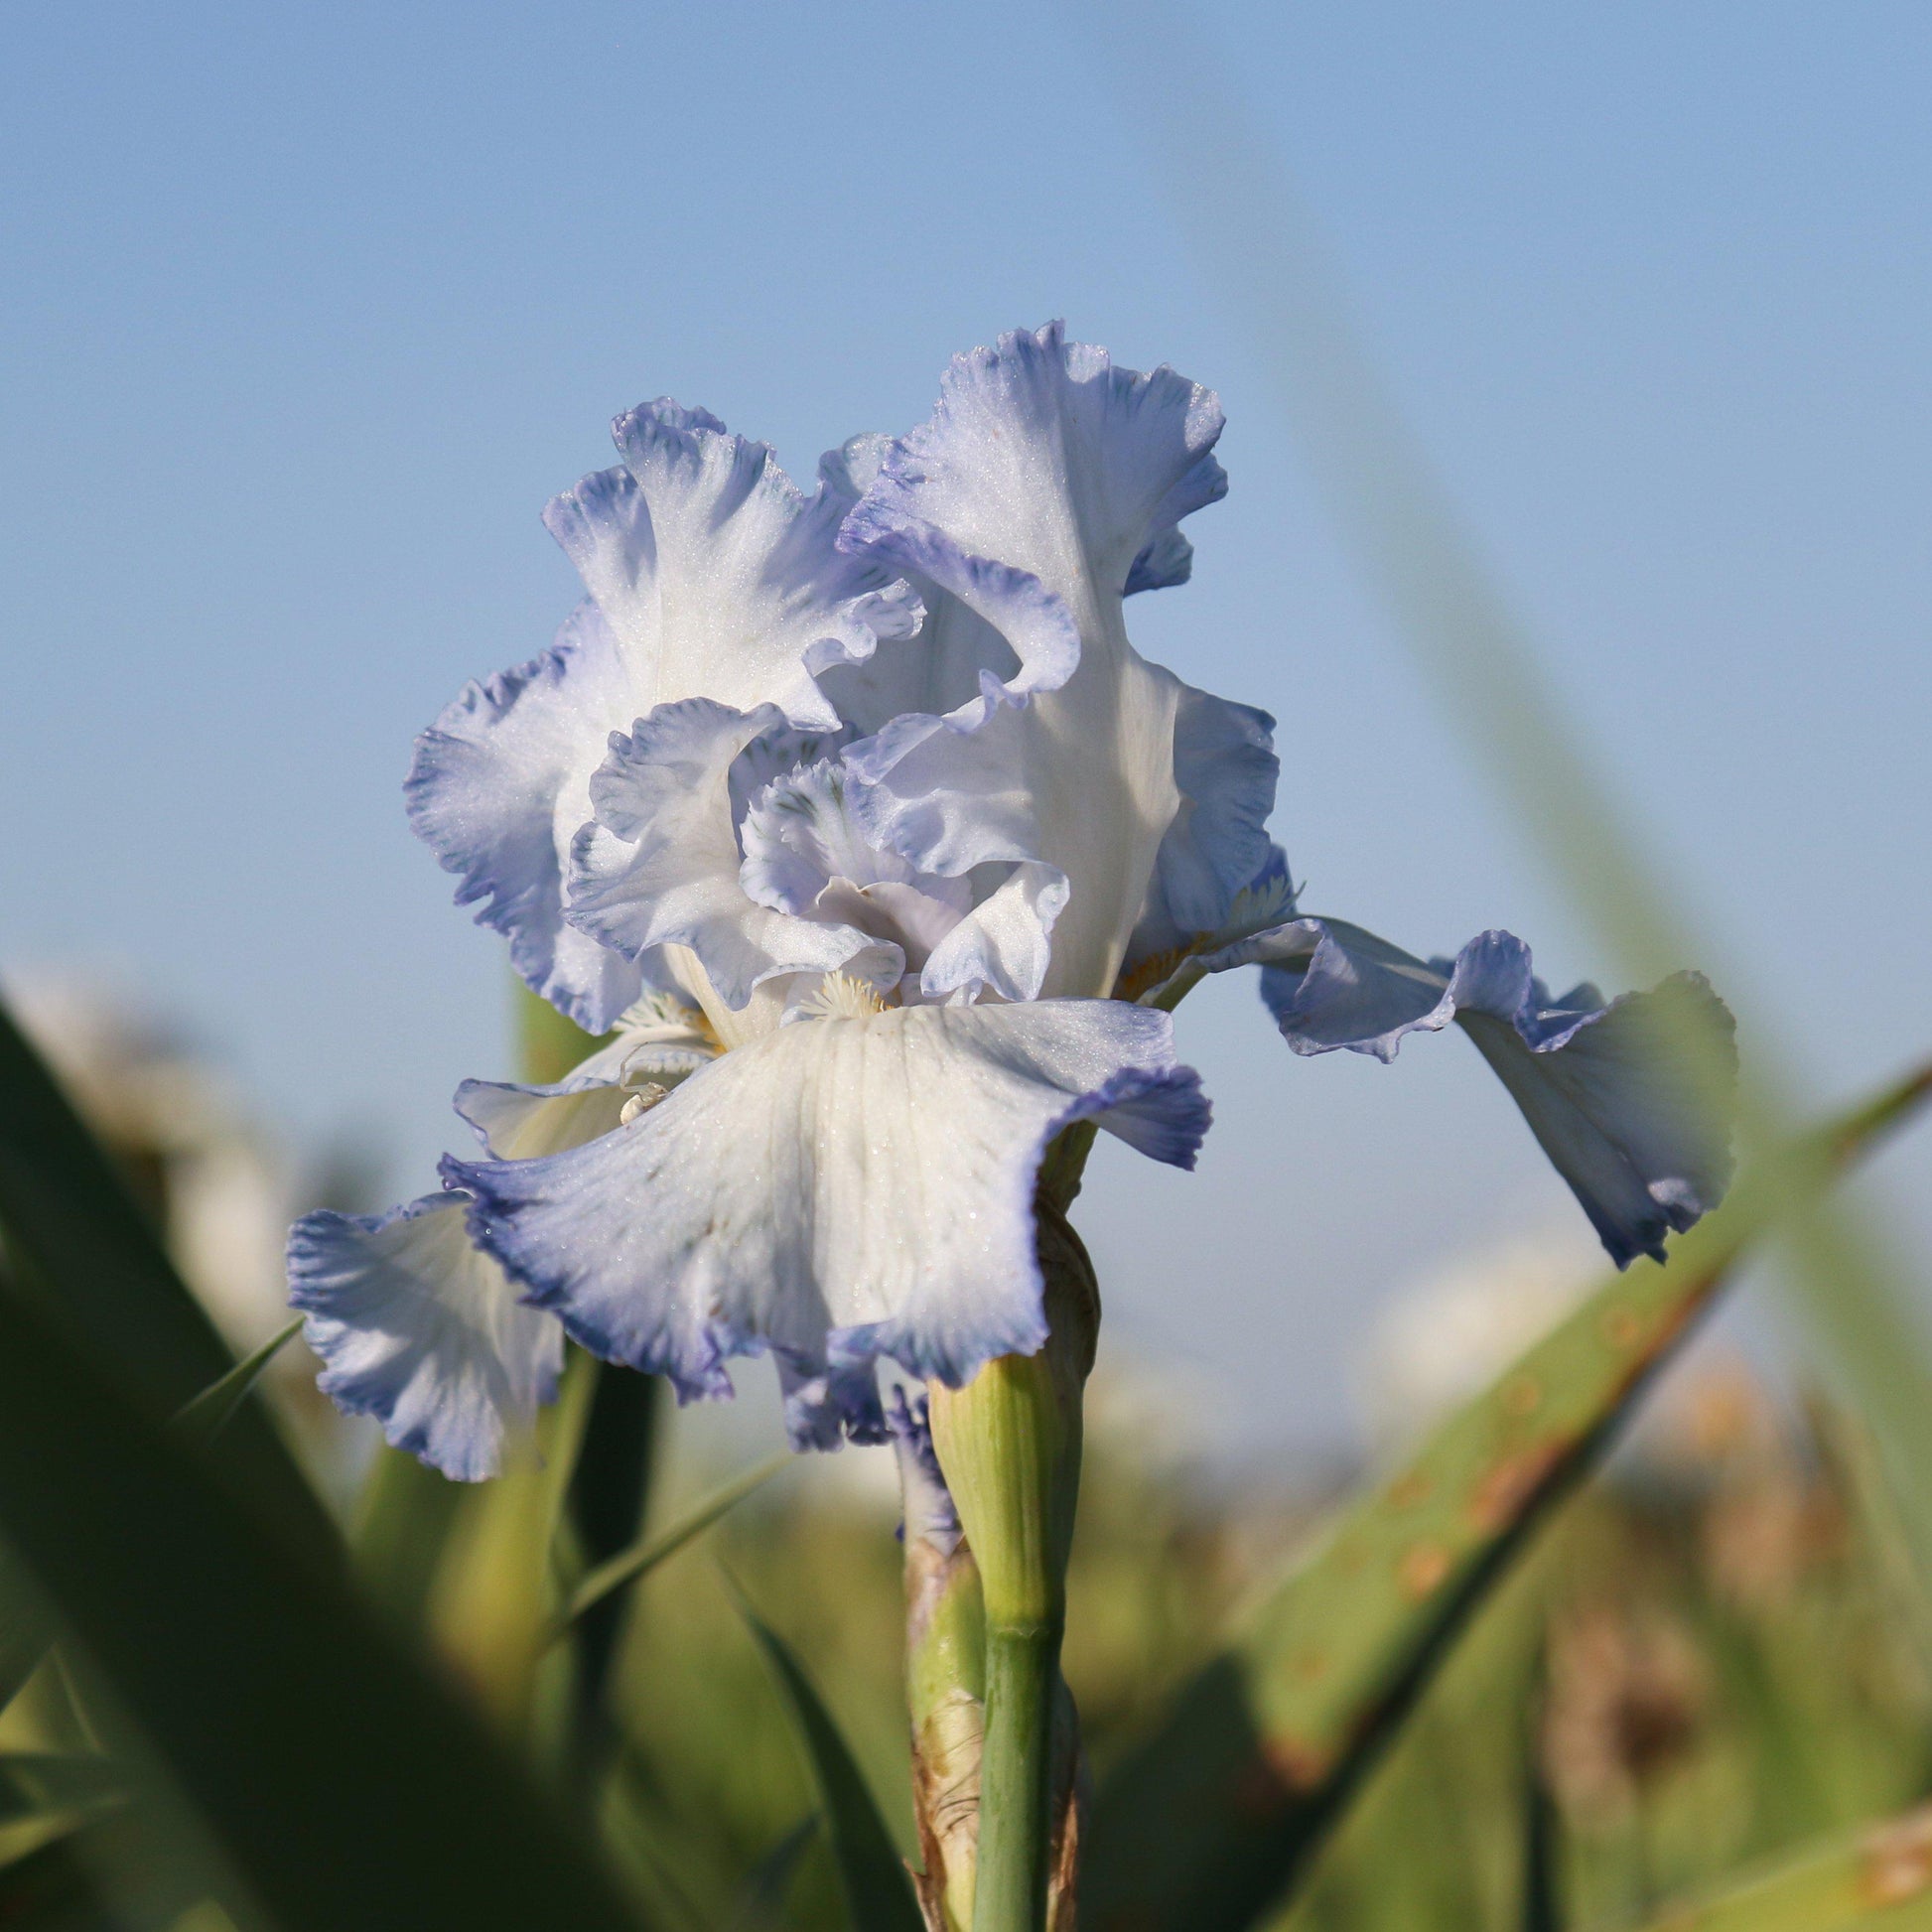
<point>718,576</point>
<point>419,1330</point>
<point>709,573</point>
<point>1044,475</point>
<point>499,784</point>
<point>1631,1101</point>
<point>1225,769</point>
<point>840,1189</point>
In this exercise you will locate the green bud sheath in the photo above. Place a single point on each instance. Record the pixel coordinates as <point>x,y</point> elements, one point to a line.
<point>1008,1443</point>
<point>945,1684</point>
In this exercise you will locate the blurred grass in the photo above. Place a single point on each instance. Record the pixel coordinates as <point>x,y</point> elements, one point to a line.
<point>1717,1658</point>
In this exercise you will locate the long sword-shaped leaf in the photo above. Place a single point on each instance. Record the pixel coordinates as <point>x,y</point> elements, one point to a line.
<point>1207,1822</point>
<point>1878,1879</point>
<point>345,1786</point>
<point>1240,210</point>
<point>610,1495</point>
<point>65,1214</point>
<point>628,1564</point>
<point>204,1418</point>
<point>878,1890</point>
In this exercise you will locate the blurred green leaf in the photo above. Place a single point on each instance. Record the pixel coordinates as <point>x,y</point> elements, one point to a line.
<point>609,1493</point>
<point>133,1868</point>
<point>1208,1822</point>
<point>761,1905</point>
<point>1881,1878</point>
<point>348,1788</point>
<point>109,1283</point>
<point>25,1631</point>
<point>402,1523</point>
<point>211,1412</point>
<point>34,1783</point>
<point>493,1604</point>
<point>878,1888</point>
<point>636,1561</point>
<point>1541,1901</point>
<point>1239,208</point>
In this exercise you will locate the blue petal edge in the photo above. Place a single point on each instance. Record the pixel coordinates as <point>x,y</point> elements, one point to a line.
<point>397,1345</point>
<point>1632,1101</point>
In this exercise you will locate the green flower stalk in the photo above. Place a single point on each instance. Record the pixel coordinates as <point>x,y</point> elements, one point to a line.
<point>1008,1443</point>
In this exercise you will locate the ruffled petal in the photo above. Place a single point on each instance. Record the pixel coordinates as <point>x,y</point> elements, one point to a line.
<point>419,1330</point>
<point>718,576</point>
<point>499,784</point>
<point>1004,944</point>
<point>1042,478</point>
<point>840,1189</point>
<point>709,573</point>
<point>1631,1101</point>
<point>660,865</point>
<point>1225,769</point>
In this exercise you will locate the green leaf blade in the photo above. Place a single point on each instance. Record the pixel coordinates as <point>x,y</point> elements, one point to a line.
<point>345,1786</point>
<point>1878,1879</point>
<point>211,1412</point>
<point>644,1557</point>
<point>878,1888</point>
<point>109,1284</point>
<point>1207,1823</point>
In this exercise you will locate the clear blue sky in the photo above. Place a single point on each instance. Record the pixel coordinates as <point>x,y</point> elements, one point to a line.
<point>308,309</point>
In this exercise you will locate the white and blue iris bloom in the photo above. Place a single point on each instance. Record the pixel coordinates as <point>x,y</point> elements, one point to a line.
<point>863,820</point>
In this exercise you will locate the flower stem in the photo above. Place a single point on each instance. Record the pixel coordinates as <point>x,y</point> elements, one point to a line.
<point>1009,1445</point>
<point>1016,1778</point>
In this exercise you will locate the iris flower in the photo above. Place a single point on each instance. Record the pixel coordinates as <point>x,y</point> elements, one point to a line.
<point>860,819</point>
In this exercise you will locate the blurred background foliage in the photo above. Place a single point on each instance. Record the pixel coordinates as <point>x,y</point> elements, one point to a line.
<point>1717,1656</point>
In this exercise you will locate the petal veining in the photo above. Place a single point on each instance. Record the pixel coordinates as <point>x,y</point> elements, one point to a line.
<point>718,576</point>
<point>709,573</point>
<point>499,784</point>
<point>841,1189</point>
<point>418,1328</point>
<point>660,865</point>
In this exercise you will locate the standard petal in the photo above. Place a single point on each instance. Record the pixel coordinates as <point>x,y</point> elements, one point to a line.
<point>1631,1101</point>
<point>718,576</point>
<point>661,866</point>
<point>709,573</point>
<point>419,1330</point>
<point>499,784</point>
<point>841,1189</point>
<point>1042,478</point>
<point>1225,769</point>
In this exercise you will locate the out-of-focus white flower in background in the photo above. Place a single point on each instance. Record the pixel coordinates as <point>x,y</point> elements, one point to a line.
<point>1446,1338</point>
<point>217,1183</point>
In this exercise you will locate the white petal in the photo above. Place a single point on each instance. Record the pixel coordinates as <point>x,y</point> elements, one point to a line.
<point>838,1191</point>
<point>1029,498</point>
<point>421,1331</point>
<point>660,866</point>
<point>718,576</point>
<point>499,785</point>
